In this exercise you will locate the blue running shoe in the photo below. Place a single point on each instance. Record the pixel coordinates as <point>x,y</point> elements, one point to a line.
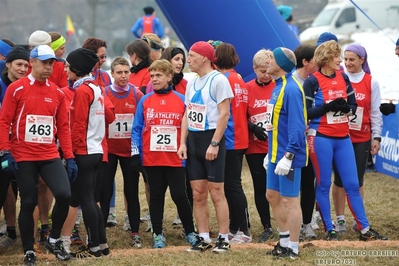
<point>159,241</point>
<point>192,238</point>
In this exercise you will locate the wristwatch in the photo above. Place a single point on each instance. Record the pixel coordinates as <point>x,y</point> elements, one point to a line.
<point>289,156</point>
<point>214,143</point>
<point>378,138</point>
<point>4,152</point>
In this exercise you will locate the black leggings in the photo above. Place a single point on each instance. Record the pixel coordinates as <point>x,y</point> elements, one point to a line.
<point>236,199</point>
<point>308,192</point>
<point>83,194</point>
<point>55,176</point>
<point>258,173</point>
<point>5,180</point>
<point>159,177</point>
<point>130,187</point>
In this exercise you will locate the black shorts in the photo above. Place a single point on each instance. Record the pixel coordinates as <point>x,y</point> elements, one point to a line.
<point>198,167</point>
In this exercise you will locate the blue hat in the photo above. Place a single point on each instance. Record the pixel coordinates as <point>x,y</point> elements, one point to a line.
<point>42,52</point>
<point>285,11</point>
<point>325,37</point>
<point>4,48</point>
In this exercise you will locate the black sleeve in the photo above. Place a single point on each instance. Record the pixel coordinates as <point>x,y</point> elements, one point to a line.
<point>351,100</point>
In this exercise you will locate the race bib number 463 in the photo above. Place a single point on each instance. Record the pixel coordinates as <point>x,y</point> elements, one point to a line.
<point>39,129</point>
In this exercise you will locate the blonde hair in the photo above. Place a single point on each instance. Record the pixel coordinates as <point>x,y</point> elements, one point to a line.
<point>164,66</point>
<point>325,52</point>
<point>261,56</point>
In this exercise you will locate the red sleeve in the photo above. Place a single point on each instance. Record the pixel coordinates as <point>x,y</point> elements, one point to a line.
<point>109,110</point>
<point>63,130</point>
<point>84,96</point>
<point>8,110</point>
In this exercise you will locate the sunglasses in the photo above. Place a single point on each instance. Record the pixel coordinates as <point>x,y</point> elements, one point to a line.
<point>102,56</point>
<point>153,44</point>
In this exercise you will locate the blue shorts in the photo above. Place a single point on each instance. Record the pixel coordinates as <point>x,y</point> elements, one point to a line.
<point>288,185</point>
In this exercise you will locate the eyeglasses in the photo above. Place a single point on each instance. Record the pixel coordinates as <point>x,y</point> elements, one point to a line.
<point>102,56</point>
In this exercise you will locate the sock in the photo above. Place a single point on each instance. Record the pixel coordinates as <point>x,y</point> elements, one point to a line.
<point>103,246</point>
<point>112,210</point>
<point>52,240</point>
<point>293,246</point>
<point>11,232</point>
<point>95,249</point>
<point>340,217</point>
<point>225,236</point>
<point>66,238</point>
<point>365,230</point>
<point>44,227</point>
<point>206,237</point>
<point>284,238</point>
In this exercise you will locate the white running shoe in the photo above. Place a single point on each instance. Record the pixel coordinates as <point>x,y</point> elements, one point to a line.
<point>145,218</point>
<point>316,219</point>
<point>79,218</point>
<point>176,221</point>
<point>112,221</point>
<point>3,228</point>
<point>241,238</point>
<point>307,231</point>
<point>126,223</point>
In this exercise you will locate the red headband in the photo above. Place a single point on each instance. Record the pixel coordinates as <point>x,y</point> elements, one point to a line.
<point>204,49</point>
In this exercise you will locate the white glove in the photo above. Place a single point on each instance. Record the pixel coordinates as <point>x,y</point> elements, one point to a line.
<point>266,161</point>
<point>283,166</point>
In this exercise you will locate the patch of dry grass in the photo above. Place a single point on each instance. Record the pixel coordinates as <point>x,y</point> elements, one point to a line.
<point>381,200</point>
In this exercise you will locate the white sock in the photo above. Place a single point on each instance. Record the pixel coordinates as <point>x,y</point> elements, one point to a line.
<point>293,246</point>
<point>284,238</point>
<point>365,230</point>
<point>104,246</point>
<point>340,217</point>
<point>112,210</point>
<point>206,237</point>
<point>225,236</point>
<point>66,238</point>
<point>52,240</point>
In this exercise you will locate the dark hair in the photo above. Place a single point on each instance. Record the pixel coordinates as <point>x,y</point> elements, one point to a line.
<point>304,51</point>
<point>7,41</point>
<point>94,44</point>
<point>226,56</point>
<point>140,48</point>
<point>167,54</point>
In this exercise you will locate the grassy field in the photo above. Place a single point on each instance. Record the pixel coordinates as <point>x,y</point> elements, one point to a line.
<point>381,200</point>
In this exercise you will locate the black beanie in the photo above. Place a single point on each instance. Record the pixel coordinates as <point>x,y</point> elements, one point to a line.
<point>17,52</point>
<point>82,60</point>
<point>177,50</point>
<point>148,10</point>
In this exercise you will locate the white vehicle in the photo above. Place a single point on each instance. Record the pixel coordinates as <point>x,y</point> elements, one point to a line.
<point>342,17</point>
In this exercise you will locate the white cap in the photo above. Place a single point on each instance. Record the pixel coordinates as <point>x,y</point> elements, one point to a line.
<point>39,37</point>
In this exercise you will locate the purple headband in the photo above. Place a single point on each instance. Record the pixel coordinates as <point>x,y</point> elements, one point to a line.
<point>360,51</point>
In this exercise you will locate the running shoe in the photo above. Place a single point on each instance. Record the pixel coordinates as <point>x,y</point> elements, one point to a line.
<point>200,245</point>
<point>278,250</point>
<point>126,223</point>
<point>289,254</point>
<point>29,258</point>
<point>307,232</point>
<point>241,238</point>
<point>136,241</point>
<point>221,246</point>
<point>266,235</point>
<point>371,235</point>
<point>111,222</point>
<point>159,241</point>
<point>192,238</point>
<point>6,242</point>
<point>86,254</point>
<point>340,227</point>
<point>67,245</point>
<point>332,235</point>
<point>145,218</point>
<point>79,218</point>
<point>149,226</point>
<point>75,238</point>
<point>176,221</point>
<point>3,228</point>
<point>57,249</point>
<point>44,234</point>
<point>316,219</point>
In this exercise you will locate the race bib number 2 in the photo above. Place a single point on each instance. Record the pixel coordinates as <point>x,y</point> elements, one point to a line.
<point>39,129</point>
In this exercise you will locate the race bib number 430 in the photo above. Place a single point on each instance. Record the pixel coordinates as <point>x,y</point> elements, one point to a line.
<point>39,129</point>
<point>196,114</point>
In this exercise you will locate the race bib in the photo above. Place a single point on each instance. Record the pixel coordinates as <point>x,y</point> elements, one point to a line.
<point>336,117</point>
<point>163,138</point>
<point>356,120</point>
<point>39,129</point>
<point>196,114</point>
<point>259,120</point>
<point>121,128</point>
<point>268,117</point>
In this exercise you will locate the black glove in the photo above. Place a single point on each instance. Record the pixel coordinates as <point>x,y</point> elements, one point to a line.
<point>345,108</point>
<point>8,164</point>
<point>334,105</point>
<point>259,132</point>
<point>387,108</point>
<point>136,162</point>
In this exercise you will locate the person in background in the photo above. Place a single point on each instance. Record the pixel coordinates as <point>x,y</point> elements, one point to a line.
<point>139,55</point>
<point>17,63</point>
<point>365,126</point>
<point>125,98</point>
<point>304,68</point>
<point>58,45</point>
<point>236,135</point>
<point>149,23</point>
<point>155,44</point>
<point>286,13</point>
<point>88,124</point>
<point>285,123</point>
<point>202,143</point>
<point>5,47</point>
<point>397,47</point>
<point>259,93</point>
<point>330,100</point>
<point>99,47</point>
<point>32,151</point>
<point>156,135</point>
